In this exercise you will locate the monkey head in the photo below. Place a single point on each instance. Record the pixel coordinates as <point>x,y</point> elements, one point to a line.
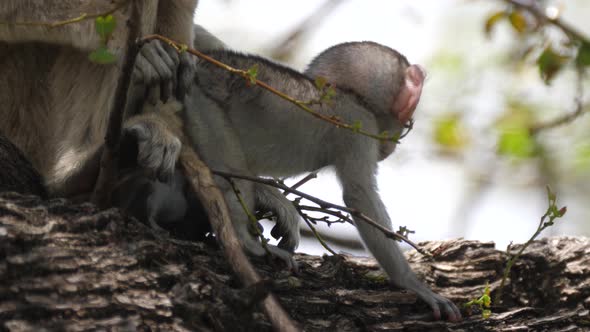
<point>381,76</point>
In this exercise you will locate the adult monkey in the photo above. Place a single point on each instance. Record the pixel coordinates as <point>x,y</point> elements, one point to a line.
<point>55,101</point>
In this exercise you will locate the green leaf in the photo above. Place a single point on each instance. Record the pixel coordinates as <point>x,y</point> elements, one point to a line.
<point>252,73</point>
<point>516,142</point>
<point>320,82</point>
<point>518,22</point>
<point>492,20</point>
<point>449,131</point>
<point>550,63</point>
<point>328,94</point>
<point>102,56</point>
<point>583,56</point>
<point>105,26</point>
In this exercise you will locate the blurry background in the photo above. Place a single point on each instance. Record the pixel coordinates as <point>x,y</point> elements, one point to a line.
<point>471,167</point>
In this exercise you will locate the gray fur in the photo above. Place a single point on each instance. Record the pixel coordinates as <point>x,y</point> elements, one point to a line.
<point>247,130</point>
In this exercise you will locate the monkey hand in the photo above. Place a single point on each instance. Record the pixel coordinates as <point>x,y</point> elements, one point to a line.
<point>438,303</point>
<point>253,247</point>
<point>152,146</point>
<point>162,72</point>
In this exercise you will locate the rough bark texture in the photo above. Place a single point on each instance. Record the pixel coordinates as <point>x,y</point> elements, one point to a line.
<point>67,267</point>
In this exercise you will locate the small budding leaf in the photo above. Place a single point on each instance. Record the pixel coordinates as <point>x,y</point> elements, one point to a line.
<point>102,56</point>
<point>357,125</point>
<point>329,93</point>
<point>320,82</point>
<point>583,56</point>
<point>551,197</point>
<point>518,22</point>
<point>252,73</point>
<point>492,20</point>
<point>550,63</point>
<point>182,48</point>
<point>562,211</point>
<point>105,26</point>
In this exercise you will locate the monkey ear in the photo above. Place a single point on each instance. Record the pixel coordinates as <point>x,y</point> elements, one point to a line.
<point>409,95</point>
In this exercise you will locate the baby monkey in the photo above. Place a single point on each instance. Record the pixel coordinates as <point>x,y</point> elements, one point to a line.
<point>243,129</point>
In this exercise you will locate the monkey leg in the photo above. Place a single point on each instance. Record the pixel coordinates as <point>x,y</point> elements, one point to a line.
<point>246,229</point>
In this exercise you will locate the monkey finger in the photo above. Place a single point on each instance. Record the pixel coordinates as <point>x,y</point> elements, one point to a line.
<point>135,99</point>
<point>186,74</point>
<point>453,313</point>
<point>288,243</point>
<point>159,60</point>
<point>141,65</point>
<point>285,256</point>
<point>153,96</point>
<point>277,231</point>
<point>149,156</point>
<point>169,157</point>
<point>138,132</point>
<point>438,302</point>
<point>170,53</point>
<point>166,90</point>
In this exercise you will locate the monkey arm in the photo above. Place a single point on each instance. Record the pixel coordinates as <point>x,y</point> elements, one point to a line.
<point>174,17</point>
<point>360,192</point>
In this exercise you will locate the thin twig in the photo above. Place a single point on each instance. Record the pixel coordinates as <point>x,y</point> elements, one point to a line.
<point>303,181</point>
<point>580,109</point>
<point>338,214</point>
<point>316,234</point>
<point>531,7</point>
<point>248,77</point>
<point>552,213</point>
<point>327,205</point>
<point>77,19</point>
<point>574,35</point>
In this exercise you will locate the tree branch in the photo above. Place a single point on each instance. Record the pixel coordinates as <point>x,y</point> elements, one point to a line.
<point>212,199</point>
<point>532,7</point>
<point>580,109</point>
<point>109,158</point>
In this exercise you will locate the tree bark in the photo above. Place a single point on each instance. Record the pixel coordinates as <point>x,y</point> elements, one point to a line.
<point>72,267</point>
